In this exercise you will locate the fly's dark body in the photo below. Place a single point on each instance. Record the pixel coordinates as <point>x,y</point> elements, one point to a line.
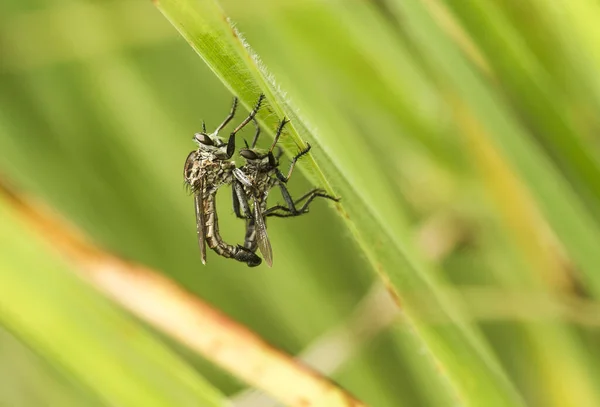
<point>210,167</point>
<point>254,180</point>
<point>205,171</point>
<point>206,175</point>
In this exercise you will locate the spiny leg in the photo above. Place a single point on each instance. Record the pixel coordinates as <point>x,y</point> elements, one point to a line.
<point>278,133</point>
<point>291,205</point>
<point>240,203</point>
<point>256,134</point>
<point>287,213</point>
<point>308,194</point>
<point>284,178</point>
<point>241,208</point>
<point>236,203</point>
<point>229,117</point>
<point>231,141</point>
<point>290,208</point>
<point>251,115</point>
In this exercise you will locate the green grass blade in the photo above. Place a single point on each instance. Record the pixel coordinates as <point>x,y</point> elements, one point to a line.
<point>380,230</point>
<point>545,105</point>
<point>88,340</point>
<point>559,203</point>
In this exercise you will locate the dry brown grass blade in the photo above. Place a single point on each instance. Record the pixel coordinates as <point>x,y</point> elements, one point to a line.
<point>169,308</point>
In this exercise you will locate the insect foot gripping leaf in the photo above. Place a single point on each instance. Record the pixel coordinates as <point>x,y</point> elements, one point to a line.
<point>254,180</point>
<point>206,170</point>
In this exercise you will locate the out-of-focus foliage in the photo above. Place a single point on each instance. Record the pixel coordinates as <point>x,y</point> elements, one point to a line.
<point>468,129</point>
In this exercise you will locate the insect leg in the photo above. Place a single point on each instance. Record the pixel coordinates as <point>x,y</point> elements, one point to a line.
<point>284,178</point>
<point>290,206</point>
<point>256,134</point>
<point>278,133</point>
<point>296,202</point>
<point>282,211</point>
<point>229,117</point>
<point>236,203</point>
<point>231,141</point>
<point>250,116</point>
<point>250,240</point>
<point>240,201</point>
<point>308,194</point>
<point>287,198</point>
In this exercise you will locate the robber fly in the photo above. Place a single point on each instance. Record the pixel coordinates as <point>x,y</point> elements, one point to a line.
<point>254,180</point>
<point>206,170</point>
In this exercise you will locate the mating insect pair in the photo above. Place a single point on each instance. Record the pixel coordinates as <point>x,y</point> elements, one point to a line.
<point>210,167</point>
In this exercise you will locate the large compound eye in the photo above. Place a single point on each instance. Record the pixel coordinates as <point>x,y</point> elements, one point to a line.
<point>248,154</point>
<point>204,139</point>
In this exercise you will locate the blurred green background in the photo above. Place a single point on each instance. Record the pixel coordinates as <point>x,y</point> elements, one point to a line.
<point>468,128</point>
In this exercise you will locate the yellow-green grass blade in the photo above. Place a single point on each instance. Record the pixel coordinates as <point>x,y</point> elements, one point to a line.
<point>479,105</point>
<point>28,380</point>
<point>514,248</point>
<point>542,97</point>
<point>80,334</point>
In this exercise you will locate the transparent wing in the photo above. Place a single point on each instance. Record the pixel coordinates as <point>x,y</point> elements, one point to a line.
<point>199,207</point>
<point>264,245</point>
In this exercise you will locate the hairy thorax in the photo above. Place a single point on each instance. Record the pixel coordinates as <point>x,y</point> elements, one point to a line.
<point>261,183</point>
<point>209,172</point>
<point>216,174</point>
